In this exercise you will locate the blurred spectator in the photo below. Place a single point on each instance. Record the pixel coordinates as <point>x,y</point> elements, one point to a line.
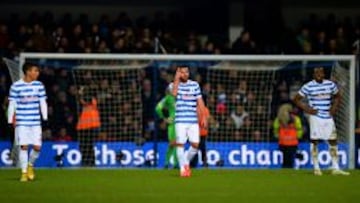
<point>244,44</point>
<point>63,136</point>
<point>238,115</point>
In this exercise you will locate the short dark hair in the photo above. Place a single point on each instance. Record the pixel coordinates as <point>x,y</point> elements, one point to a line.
<point>27,66</point>
<point>182,66</point>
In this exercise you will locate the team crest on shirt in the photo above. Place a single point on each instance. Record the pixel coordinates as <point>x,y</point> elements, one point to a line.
<point>188,96</point>
<point>322,96</point>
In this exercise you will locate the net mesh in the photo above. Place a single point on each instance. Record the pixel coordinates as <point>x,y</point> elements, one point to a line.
<point>14,69</point>
<point>240,100</point>
<point>340,74</point>
<point>15,74</point>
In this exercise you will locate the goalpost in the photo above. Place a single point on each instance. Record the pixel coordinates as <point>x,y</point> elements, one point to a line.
<point>242,92</point>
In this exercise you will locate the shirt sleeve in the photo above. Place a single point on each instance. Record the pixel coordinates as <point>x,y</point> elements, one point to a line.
<point>335,89</point>
<point>276,126</point>
<point>303,91</point>
<point>13,94</point>
<point>159,108</point>
<point>298,127</point>
<point>44,109</point>
<point>43,103</point>
<point>197,91</point>
<point>11,110</point>
<point>42,92</point>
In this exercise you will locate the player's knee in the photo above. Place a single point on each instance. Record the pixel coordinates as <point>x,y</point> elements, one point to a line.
<point>195,145</point>
<point>313,148</point>
<point>172,143</point>
<point>37,148</point>
<point>314,142</point>
<point>24,147</point>
<point>332,142</point>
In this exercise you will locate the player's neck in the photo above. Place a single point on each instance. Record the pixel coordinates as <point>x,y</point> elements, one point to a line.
<point>27,79</point>
<point>319,81</point>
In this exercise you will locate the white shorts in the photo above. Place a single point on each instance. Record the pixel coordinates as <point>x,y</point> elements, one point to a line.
<point>185,131</point>
<point>322,129</point>
<point>28,135</point>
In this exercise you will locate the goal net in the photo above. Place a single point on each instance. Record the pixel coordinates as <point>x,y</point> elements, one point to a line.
<point>15,73</point>
<point>243,94</point>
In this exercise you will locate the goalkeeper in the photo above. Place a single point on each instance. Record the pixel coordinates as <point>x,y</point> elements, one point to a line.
<point>168,103</point>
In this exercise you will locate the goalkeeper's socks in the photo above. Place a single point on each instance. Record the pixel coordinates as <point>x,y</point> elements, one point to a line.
<point>191,153</point>
<point>23,158</point>
<point>174,155</point>
<point>33,156</point>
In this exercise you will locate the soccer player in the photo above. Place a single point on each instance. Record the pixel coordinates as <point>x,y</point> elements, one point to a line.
<point>27,98</point>
<point>168,102</point>
<point>188,99</point>
<point>323,100</point>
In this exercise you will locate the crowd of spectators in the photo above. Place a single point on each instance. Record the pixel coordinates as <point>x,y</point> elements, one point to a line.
<point>237,106</point>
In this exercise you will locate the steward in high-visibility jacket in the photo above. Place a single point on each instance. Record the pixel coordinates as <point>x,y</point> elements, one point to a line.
<point>89,117</point>
<point>88,127</point>
<point>288,134</point>
<point>288,129</point>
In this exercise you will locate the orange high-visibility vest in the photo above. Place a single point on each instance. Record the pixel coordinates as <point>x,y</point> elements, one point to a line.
<point>89,117</point>
<point>288,135</point>
<point>204,115</point>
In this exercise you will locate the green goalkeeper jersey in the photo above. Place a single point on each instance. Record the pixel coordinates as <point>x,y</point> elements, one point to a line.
<point>167,102</point>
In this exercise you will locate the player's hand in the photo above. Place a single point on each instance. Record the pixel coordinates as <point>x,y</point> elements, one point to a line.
<point>173,143</point>
<point>332,111</point>
<point>311,111</point>
<point>169,120</point>
<point>177,75</point>
<point>203,123</point>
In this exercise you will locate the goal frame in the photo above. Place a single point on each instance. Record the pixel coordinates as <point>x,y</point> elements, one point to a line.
<point>350,58</point>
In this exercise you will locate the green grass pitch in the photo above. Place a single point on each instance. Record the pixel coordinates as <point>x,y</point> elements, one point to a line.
<point>153,185</point>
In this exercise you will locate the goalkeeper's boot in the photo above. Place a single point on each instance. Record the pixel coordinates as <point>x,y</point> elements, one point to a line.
<point>30,172</point>
<point>24,177</point>
<point>317,172</point>
<point>340,172</point>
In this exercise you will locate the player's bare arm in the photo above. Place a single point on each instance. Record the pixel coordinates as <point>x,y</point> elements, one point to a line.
<point>298,102</point>
<point>335,104</point>
<point>201,106</point>
<point>176,82</point>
